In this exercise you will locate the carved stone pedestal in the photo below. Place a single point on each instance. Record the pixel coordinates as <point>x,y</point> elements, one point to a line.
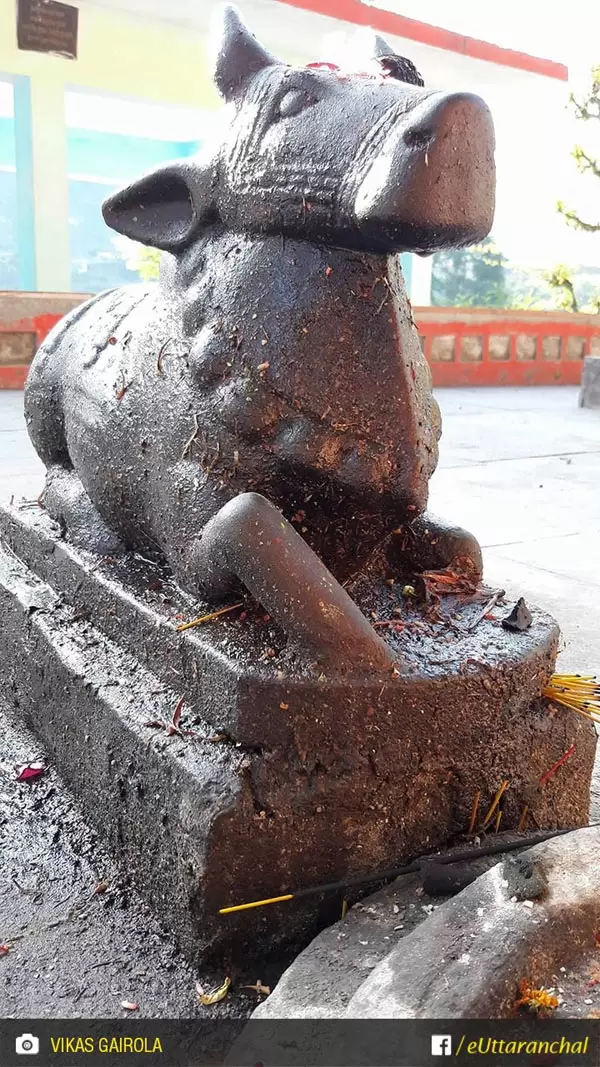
<point>274,777</point>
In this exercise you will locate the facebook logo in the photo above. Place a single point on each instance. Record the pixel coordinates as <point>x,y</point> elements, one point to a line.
<point>441,1044</point>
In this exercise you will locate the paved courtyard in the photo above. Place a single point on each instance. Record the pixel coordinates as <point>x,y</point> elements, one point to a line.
<point>519,467</point>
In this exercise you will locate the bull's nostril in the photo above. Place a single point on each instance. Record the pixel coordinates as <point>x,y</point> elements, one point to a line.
<point>418,137</point>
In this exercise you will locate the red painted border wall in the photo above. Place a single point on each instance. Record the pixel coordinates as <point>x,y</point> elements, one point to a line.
<point>498,346</point>
<point>25,319</point>
<point>464,346</point>
<point>360,13</point>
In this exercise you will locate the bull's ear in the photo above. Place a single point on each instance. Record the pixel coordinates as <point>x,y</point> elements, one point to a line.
<point>235,53</point>
<point>164,209</point>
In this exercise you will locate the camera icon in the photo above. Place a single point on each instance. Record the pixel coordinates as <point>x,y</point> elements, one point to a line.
<point>27,1045</point>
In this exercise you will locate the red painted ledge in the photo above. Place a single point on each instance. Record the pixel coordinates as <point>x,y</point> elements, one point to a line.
<point>384,21</point>
<point>464,346</point>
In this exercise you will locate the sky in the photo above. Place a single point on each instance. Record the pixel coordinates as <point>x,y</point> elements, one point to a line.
<point>568,33</point>
<point>526,227</point>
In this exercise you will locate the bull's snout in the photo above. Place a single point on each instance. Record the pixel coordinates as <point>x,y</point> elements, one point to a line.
<point>432,184</point>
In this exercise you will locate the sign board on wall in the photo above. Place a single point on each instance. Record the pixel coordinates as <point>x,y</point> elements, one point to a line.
<point>47,26</point>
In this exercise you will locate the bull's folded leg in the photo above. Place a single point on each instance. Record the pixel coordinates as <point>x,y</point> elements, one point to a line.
<point>431,543</point>
<point>250,540</point>
<point>67,502</point>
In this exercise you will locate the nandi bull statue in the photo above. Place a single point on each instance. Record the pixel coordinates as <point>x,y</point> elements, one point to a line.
<point>263,418</point>
<point>276,365</point>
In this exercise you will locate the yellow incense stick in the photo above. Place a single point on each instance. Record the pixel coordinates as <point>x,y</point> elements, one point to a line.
<point>474,811</point>
<point>256,904</point>
<point>208,618</point>
<point>577,692</point>
<point>494,804</point>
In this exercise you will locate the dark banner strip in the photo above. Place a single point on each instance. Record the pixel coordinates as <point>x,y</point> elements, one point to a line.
<point>298,1043</point>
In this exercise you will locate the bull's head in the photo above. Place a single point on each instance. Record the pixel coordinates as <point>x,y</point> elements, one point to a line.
<point>366,161</point>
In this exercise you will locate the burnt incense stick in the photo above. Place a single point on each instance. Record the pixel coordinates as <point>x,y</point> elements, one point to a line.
<point>493,849</point>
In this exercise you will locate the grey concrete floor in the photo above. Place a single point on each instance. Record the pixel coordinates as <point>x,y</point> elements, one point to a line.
<point>518,467</point>
<point>521,469</point>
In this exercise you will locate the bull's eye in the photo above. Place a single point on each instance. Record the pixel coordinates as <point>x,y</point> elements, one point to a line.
<point>294,102</point>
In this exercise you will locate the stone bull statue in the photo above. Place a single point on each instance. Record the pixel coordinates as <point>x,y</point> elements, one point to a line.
<point>275,369</point>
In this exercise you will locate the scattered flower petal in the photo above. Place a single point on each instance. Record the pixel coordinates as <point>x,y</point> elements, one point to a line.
<point>177,713</point>
<point>259,988</point>
<point>26,772</point>
<point>537,1001</point>
<point>322,66</point>
<point>216,995</point>
<point>129,1005</point>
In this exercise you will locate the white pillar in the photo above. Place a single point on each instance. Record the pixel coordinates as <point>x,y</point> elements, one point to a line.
<point>50,184</point>
<point>420,281</point>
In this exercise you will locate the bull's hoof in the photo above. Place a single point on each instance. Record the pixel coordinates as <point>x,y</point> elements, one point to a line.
<point>431,543</point>
<point>67,502</point>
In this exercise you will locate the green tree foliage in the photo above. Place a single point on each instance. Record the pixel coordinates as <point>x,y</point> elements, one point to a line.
<point>561,282</point>
<point>145,262</point>
<point>561,278</point>
<point>471,277</point>
<point>148,263</point>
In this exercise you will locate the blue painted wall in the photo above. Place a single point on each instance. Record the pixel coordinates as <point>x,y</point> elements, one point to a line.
<point>97,163</point>
<point>119,156</point>
<point>110,158</point>
<point>25,205</point>
<point>7,142</point>
<point>406,261</point>
<point>9,274</point>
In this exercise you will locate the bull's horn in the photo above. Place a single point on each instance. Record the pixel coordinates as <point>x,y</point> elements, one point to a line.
<point>235,53</point>
<point>381,48</point>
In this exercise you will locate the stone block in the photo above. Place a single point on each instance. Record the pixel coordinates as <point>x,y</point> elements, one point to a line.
<point>16,347</point>
<point>443,348</point>
<point>498,936</point>
<point>471,349</point>
<point>499,347</point>
<point>551,348</point>
<point>526,347</point>
<point>575,347</point>
<point>532,913</point>
<point>589,396</point>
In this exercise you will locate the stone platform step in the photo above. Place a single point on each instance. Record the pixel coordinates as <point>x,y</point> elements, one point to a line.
<point>275,779</point>
<point>533,916</point>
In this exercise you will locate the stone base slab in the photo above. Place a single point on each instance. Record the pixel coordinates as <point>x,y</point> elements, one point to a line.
<point>288,780</point>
